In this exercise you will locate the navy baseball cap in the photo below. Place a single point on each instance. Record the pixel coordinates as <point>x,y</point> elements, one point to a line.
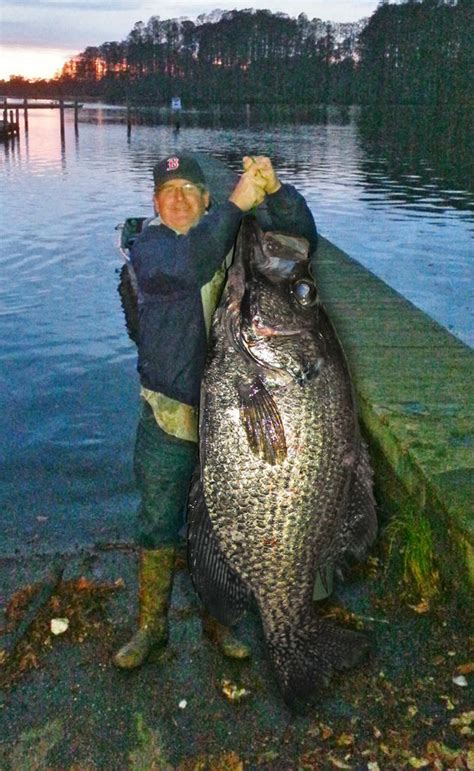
<point>178,167</point>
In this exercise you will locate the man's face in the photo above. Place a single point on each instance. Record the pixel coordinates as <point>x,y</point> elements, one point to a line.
<point>180,204</point>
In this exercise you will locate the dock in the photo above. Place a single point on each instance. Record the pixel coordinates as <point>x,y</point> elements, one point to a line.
<point>52,105</point>
<point>413,381</point>
<point>10,106</point>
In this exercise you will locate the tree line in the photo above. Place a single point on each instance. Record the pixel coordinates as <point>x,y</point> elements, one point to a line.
<point>417,51</point>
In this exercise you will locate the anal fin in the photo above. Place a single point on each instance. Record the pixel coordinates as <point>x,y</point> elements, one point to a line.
<point>220,589</point>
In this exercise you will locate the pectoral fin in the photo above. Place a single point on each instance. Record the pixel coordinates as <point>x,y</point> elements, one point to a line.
<point>262,421</point>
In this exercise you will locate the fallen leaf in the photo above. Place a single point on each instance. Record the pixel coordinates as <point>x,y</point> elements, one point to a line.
<point>326,732</point>
<point>463,723</point>
<point>229,761</point>
<point>422,607</point>
<point>441,751</point>
<point>465,669</point>
<point>27,661</point>
<point>412,711</point>
<point>465,718</point>
<point>338,763</point>
<point>345,740</point>
<point>232,692</point>
<point>448,703</point>
<point>418,762</point>
<point>268,757</point>
<point>82,583</point>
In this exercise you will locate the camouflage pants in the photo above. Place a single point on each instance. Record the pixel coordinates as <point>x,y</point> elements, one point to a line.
<point>163,466</point>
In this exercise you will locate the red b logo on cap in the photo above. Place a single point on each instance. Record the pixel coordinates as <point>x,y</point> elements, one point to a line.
<point>172,163</point>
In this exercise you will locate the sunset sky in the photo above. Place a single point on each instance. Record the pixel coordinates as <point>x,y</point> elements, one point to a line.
<point>38,36</point>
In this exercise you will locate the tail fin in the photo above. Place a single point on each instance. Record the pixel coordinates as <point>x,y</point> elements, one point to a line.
<point>305,656</point>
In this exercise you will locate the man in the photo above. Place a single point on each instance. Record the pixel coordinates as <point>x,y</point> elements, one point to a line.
<point>179,269</point>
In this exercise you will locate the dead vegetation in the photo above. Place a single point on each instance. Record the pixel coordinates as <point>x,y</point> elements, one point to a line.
<point>80,603</point>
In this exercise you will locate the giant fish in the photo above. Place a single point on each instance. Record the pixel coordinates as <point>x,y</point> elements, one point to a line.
<point>284,488</point>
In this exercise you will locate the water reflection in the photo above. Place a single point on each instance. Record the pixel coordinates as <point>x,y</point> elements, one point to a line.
<point>220,117</point>
<point>425,151</point>
<point>420,150</point>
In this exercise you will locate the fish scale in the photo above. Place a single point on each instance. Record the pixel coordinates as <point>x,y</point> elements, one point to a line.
<point>285,479</point>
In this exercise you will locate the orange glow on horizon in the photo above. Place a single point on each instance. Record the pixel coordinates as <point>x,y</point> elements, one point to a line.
<point>32,62</point>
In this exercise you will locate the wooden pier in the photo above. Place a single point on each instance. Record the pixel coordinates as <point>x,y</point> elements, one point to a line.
<point>26,105</point>
<point>53,105</point>
<point>413,381</point>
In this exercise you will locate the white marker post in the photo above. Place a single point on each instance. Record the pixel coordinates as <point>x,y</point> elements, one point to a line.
<point>175,111</point>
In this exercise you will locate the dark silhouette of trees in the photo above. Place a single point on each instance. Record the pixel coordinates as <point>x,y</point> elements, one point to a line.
<point>414,52</point>
<point>419,52</point>
<point>228,58</point>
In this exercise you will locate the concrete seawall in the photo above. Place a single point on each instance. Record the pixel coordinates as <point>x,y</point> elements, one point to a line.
<point>414,386</point>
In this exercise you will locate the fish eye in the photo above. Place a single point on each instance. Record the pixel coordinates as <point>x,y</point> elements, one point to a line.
<point>305,292</point>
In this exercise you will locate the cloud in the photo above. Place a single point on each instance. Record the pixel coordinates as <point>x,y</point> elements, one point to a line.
<point>40,35</point>
<point>59,24</point>
<point>33,45</point>
<point>75,5</point>
<point>76,24</point>
<point>334,10</point>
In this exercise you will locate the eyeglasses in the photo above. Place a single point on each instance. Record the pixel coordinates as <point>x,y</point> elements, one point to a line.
<point>188,189</point>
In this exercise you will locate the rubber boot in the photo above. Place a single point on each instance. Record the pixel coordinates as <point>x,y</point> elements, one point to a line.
<point>155,578</point>
<point>221,635</point>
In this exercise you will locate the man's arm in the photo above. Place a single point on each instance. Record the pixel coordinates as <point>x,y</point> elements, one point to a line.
<point>285,208</point>
<point>290,213</point>
<point>165,261</point>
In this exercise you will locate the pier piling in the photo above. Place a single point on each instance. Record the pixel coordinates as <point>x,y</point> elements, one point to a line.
<point>61,117</point>
<point>129,120</point>
<point>25,113</point>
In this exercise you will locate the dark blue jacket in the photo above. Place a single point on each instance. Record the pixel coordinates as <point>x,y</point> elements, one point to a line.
<point>170,271</point>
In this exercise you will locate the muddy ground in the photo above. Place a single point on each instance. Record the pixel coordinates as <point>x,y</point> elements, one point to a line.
<point>64,706</point>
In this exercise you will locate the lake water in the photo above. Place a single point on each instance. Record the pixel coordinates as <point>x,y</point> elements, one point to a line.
<point>68,383</point>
